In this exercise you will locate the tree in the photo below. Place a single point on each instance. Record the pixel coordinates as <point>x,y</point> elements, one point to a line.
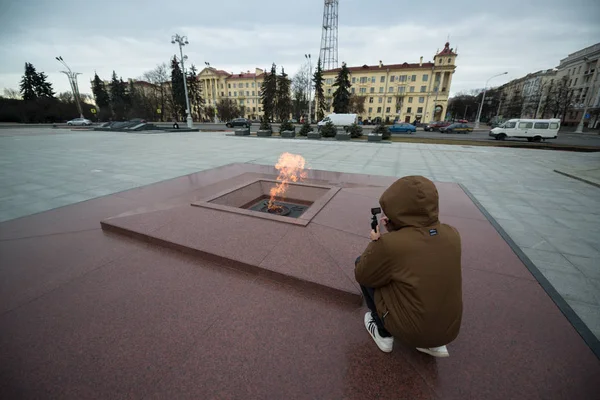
<point>319,93</point>
<point>12,94</point>
<point>283,100</point>
<point>65,97</point>
<point>209,111</point>
<point>195,93</point>
<point>28,82</point>
<point>159,78</point>
<point>227,109</point>
<point>300,84</point>
<point>268,93</point>
<point>177,90</point>
<point>341,96</point>
<point>42,87</point>
<point>118,97</point>
<point>514,108</point>
<point>560,98</point>
<point>102,99</point>
<point>357,104</point>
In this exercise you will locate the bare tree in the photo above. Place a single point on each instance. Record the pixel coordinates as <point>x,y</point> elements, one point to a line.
<point>357,104</point>
<point>300,100</point>
<point>160,78</point>
<point>12,94</point>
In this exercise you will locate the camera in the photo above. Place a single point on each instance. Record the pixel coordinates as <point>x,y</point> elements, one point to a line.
<point>374,222</point>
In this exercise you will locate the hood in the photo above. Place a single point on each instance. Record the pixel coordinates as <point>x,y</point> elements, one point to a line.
<point>411,201</point>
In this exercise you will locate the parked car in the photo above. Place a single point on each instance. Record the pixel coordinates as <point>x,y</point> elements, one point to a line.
<point>402,127</point>
<point>435,126</point>
<point>238,122</point>
<point>79,122</point>
<point>456,128</point>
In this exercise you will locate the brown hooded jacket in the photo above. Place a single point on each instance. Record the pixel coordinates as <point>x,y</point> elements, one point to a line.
<point>415,269</point>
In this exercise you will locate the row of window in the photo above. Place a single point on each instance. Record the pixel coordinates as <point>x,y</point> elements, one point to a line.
<point>388,110</point>
<point>241,93</point>
<point>240,85</point>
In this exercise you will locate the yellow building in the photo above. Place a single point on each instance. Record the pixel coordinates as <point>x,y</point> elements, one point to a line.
<point>244,88</point>
<point>404,92</point>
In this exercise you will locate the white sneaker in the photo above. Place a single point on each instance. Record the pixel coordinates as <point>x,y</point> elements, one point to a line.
<point>441,351</point>
<point>385,344</point>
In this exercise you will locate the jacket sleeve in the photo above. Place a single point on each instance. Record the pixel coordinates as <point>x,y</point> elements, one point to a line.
<point>373,269</point>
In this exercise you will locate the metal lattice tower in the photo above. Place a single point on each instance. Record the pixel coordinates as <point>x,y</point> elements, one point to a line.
<point>329,37</point>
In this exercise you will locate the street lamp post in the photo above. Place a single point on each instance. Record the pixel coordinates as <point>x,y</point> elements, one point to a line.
<point>307,56</point>
<point>73,82</point>
<point>182,41</point>
<point>483,99</point>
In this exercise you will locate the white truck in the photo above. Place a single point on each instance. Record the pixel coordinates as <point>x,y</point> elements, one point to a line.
<point>534,130</point>
<point>339,120</point>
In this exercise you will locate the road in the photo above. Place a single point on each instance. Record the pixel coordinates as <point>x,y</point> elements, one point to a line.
<point>566,137</point>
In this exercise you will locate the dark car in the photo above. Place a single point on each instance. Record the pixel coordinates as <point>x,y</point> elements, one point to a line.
<point>456,128</point>
<point>239,122</point>
<point>435,126</point>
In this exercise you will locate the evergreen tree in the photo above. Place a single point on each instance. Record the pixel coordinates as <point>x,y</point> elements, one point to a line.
<point>28,82</point>
<point>341,96</point>
<point>102,98</point>
<point>42,87</point>
<point>195,93</point>
<point>319,93</point>
<point>283,102</point>
<point>177,90</point>
<point>268,94</point>
<point>118,97</point>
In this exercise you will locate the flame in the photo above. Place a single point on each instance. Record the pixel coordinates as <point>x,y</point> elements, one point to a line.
<point>291,169</point>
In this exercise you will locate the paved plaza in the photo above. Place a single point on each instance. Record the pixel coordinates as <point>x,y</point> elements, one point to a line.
<point>553,218</point>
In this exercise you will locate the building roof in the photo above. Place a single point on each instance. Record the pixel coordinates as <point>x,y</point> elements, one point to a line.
<point>447,51</point>
<point>247,75</point>
<point>384,67</point>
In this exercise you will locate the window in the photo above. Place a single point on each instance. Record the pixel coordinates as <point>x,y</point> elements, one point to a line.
<point>329,81</point>
<point>223,94</point>
<point>352,90</point>
<point>259,109</point>
<point>389,99</point>
<point>541,125</point>
<point>378,109</point>
<point>370,99</point>
<point>229,94</point>
<point>409,110</point>
<point>412,89</point>
<point>575,84</point>
<point>421,99</point>
<point>247,93</point>
<point>247,84</point>
<point>402,78</point>
<point>569,71</point>
<point>570,81</point>
<point>410,99</point>
<point>439,60</point>
<point>423,89</point>
<point>391,89</point>
<point>525,125</point>
<point>381,89</point>
<point>329,91</point>
<point>438,76</point>
<point>380,100</point>
<point>414,78</point>
<point>234,85</point>
<point>373,79</point>
<point>370,110</point>
<point>242,102</point>
<point>420,110</point>
<point>449,60</point>
<point>372,90</point>
<point>353,79</point>
<point>382,79</point>
<point>392,78</point>
<point>253,93</point>
<point>253,101</point>
<point>363,79</point>
<point>252,84</point>
<point>553,125</point>
<point>363,90</point>
<point>579,70</point>
<point>509,125</point>
<point>425,78</point>
<point>387,110</point>
<point>401,89</point>
<point>234,93</point>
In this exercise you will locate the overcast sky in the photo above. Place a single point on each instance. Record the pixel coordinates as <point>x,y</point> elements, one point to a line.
<point>132,36</point>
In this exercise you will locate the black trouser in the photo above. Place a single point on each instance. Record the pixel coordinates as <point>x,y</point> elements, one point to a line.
<point>369,295</point>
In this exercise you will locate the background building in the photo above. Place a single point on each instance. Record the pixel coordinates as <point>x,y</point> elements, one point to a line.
<point>406,92</point>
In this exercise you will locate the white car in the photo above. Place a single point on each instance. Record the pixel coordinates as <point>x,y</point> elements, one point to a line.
<point>79,121</point>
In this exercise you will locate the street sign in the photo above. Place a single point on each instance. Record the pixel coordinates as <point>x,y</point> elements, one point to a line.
<point>587,116</point>
<point>158,111</point>
<point>93,110</point>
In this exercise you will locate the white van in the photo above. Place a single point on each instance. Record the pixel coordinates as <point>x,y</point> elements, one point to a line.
<point>339,120</point>
<point>534,130</point>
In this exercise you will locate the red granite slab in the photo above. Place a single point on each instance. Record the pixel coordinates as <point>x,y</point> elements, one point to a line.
<point>148,322</point>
